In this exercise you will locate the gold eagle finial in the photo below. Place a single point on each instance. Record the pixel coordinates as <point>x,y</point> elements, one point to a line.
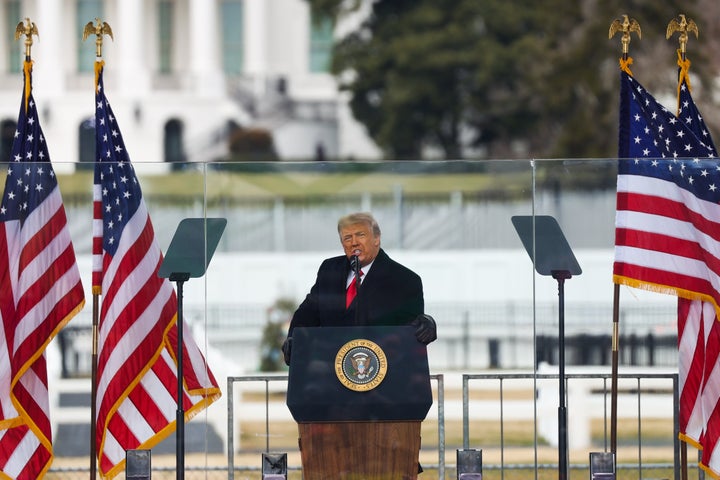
<point>98,29</point>
<point>627,26</point>
<point>683,26</point>
<point>28,29</point>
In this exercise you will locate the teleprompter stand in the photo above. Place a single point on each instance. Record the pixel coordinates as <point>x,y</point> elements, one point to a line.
<point>188,256</point>
<point>552,256</point>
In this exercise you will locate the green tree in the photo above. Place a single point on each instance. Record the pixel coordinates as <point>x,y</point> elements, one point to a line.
<point>273,335</point>
<point>508,78</point>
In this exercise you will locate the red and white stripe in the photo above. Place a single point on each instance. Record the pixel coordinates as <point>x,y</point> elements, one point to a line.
<point>694,316</point>
<point>40,291</point>
<point>666,239</point>
<point>97,240</point>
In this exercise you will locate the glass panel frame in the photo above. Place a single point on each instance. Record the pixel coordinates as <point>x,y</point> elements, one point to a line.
<point>448,221</point>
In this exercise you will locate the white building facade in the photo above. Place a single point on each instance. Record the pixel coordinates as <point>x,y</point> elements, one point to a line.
<point>181,75</point>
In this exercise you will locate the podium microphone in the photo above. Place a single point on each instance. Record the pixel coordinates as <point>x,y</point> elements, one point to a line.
<point>355,265</point>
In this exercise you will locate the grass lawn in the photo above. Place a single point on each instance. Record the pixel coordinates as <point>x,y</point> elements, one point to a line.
<point>234,186</point>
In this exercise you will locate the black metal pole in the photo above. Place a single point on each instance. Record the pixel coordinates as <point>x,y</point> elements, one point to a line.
<point>615,364</point>
<point>180,278</point>
<point>93,386</point>
<point>180,417</point>
<point>561,276</point>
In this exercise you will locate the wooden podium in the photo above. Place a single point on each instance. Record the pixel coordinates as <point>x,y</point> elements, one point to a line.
<point>359,395</point>
<point>360,450</point>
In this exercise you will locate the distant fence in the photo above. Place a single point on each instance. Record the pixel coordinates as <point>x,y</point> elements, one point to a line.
<point>471,335</point>
<point>638,400</point>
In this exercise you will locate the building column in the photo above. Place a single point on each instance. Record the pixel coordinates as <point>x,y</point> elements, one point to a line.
<point>254,25</point>
<point>133,64</point>
<point>205,68</point>
<point>49,72</point>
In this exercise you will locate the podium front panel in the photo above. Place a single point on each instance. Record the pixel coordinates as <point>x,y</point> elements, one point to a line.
<point>318,393</point>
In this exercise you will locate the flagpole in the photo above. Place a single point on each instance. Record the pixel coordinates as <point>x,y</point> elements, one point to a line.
<point>98,29</point>
<point>684,25</point>
<point>93,387</point>
<point>28,29</point>
<point>626,26</point>
<point>614,375</point>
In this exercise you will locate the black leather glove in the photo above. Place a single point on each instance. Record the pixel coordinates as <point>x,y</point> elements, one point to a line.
<point>425,329</point>
<point>286,347</point>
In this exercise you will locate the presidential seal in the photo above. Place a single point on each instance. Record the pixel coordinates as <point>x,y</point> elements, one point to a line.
<point>360,365</point>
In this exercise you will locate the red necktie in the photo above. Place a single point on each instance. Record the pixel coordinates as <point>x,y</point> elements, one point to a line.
<point>351,291</point>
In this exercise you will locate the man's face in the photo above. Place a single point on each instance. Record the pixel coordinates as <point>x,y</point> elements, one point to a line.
<point>358,239</point>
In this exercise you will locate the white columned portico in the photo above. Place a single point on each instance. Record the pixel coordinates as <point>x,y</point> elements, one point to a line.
<point>207,75</point>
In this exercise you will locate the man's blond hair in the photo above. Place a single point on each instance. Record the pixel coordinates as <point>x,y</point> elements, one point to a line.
<point>359,217</point>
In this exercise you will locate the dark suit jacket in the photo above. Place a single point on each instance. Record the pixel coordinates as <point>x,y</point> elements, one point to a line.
<point>390,294</point>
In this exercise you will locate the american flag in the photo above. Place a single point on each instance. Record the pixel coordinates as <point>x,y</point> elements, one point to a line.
<point>666,237</point>
<point>698,329</point>
<point>667,201</point>
<point>40,291</point>
<point>137,373</point>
